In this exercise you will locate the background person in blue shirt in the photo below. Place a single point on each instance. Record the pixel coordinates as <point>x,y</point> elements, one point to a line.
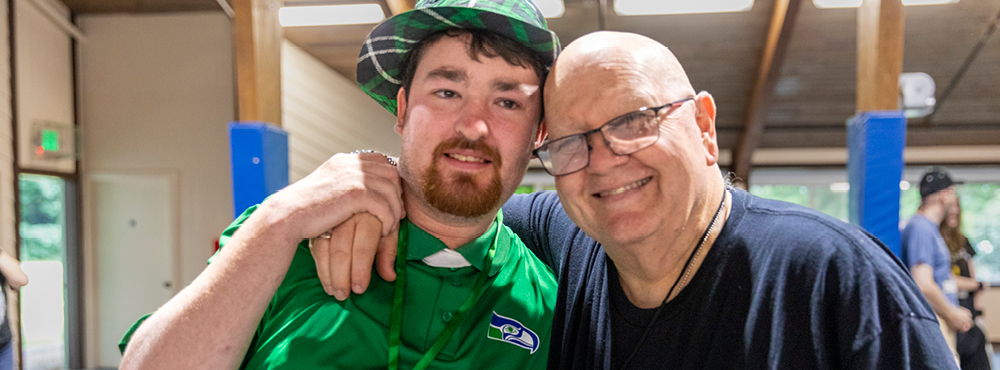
<point>925,253</point>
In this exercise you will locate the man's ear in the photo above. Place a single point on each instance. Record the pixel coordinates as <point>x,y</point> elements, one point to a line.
<point>705,117</point>
<point>541,134</point>
<point>400,110</point>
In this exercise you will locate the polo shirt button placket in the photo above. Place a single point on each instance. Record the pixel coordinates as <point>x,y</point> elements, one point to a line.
<point>456,281</point>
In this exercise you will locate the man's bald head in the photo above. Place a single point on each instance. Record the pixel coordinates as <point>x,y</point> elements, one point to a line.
<point>624,200</point>
<point>642,62</point>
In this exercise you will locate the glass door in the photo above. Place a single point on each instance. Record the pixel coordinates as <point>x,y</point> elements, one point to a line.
<point>44,259</point>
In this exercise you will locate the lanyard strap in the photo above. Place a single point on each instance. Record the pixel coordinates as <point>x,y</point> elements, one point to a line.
<point>396,321</point>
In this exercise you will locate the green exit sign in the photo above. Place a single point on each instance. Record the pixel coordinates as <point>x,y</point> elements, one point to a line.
<point>50,140</point>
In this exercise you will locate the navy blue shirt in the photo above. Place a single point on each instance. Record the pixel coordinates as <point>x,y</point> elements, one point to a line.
<point>783,287</point>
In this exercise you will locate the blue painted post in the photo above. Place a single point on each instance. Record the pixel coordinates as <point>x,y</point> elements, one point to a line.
<point>875,142</point>
<point>259,153</point>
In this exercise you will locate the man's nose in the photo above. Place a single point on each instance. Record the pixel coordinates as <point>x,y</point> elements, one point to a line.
<point>473,124</point>
<point>602,158</point>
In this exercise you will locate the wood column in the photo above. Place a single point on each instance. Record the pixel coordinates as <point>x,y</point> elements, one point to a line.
<point>257,36</point>
<point>880,54</point>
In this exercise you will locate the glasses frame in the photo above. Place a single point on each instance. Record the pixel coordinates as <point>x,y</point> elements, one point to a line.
<point>586,135</point>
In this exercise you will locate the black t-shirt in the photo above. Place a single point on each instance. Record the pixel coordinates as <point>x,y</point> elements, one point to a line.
<point>783,287</point>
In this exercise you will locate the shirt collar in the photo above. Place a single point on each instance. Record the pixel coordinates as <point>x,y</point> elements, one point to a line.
<point>421,244</point>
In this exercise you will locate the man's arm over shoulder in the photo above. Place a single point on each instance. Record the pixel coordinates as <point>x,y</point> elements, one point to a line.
<point>210,323</point>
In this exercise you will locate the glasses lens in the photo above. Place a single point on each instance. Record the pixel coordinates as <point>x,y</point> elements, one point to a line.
<point>565,155</point>
<point>632,132</point>
<point>545,157</point>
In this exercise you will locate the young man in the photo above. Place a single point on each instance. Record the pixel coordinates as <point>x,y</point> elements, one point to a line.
<point>464,78</point>
<point>661,265</point>
<point>927,256</point>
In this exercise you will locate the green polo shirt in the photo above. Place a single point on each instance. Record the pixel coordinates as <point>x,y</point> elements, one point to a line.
<point>507,328</point>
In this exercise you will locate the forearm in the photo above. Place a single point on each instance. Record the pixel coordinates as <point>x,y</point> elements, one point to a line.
<point>209,325</point>
<point>966,284</point>
<point>938,301</point>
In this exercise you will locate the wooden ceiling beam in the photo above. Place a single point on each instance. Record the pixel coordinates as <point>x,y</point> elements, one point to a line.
<point>773,57</point>
<point>880,54</point>
<point>257,37</point>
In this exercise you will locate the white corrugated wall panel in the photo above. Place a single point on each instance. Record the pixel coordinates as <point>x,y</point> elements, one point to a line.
<point>325,113</point>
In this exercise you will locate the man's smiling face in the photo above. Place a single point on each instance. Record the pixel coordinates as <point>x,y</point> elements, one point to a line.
<point>467,128</point>
<point>630,200</point>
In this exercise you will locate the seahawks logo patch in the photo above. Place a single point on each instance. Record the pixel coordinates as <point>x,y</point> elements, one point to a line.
<point>508,330</point>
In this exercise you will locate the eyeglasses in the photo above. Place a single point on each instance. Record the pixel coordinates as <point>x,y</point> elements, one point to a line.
<point>625,134</point>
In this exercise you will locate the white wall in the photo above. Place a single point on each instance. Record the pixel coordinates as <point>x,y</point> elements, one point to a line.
<point>156,95</point>
<point>44,70</point>
<point>325,113</point>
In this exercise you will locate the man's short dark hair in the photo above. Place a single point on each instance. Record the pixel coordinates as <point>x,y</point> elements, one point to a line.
<point>482,42</point>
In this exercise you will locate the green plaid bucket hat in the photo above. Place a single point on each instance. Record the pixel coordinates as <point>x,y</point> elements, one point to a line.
<point>380,64</point>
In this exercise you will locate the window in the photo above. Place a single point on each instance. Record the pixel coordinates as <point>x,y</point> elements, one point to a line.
<point>826,191</point>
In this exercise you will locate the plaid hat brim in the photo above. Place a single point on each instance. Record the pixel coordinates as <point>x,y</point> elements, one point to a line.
<point>380,63</point>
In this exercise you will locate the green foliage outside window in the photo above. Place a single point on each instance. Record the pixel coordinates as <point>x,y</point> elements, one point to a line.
<point>524,189</point>
<point>42,199</point>
<point>818,197</point>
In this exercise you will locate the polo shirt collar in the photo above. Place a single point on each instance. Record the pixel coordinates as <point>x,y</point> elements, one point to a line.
<point>421,244</point>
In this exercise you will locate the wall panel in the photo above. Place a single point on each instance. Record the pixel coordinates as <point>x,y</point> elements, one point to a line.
<point>326,113</point>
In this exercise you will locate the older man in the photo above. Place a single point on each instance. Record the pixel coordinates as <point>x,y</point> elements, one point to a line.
<point>464,78</point>
<point>660,265</point>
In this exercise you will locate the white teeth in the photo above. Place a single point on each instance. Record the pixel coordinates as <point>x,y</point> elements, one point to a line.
<point>624,188</point>
<point>465,158</point>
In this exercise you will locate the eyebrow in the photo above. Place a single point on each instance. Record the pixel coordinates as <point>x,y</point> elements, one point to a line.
<point>447,73</point>
<point>506,85</point>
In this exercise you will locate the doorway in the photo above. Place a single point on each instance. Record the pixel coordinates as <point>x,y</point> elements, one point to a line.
<point>44,258</point>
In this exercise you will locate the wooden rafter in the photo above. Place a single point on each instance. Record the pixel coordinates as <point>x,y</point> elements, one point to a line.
<point>778,36</point>
<point>880,54</point>
<point>257,35</point>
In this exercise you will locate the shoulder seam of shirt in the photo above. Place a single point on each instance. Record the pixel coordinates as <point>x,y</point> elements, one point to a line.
<point>902,316</point>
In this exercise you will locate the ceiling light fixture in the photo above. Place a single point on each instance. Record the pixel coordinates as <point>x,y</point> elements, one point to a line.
<point>653,7</point>
<point>551,8</point>
<point>830,4</point>
<point>330,15</point>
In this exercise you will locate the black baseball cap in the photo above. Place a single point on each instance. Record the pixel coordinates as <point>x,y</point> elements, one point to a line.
<point>935,180</point>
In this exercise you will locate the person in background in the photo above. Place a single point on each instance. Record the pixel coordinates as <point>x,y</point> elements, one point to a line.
<point>924,252</point>
<point>12,276</point>
<point>971,345</point>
